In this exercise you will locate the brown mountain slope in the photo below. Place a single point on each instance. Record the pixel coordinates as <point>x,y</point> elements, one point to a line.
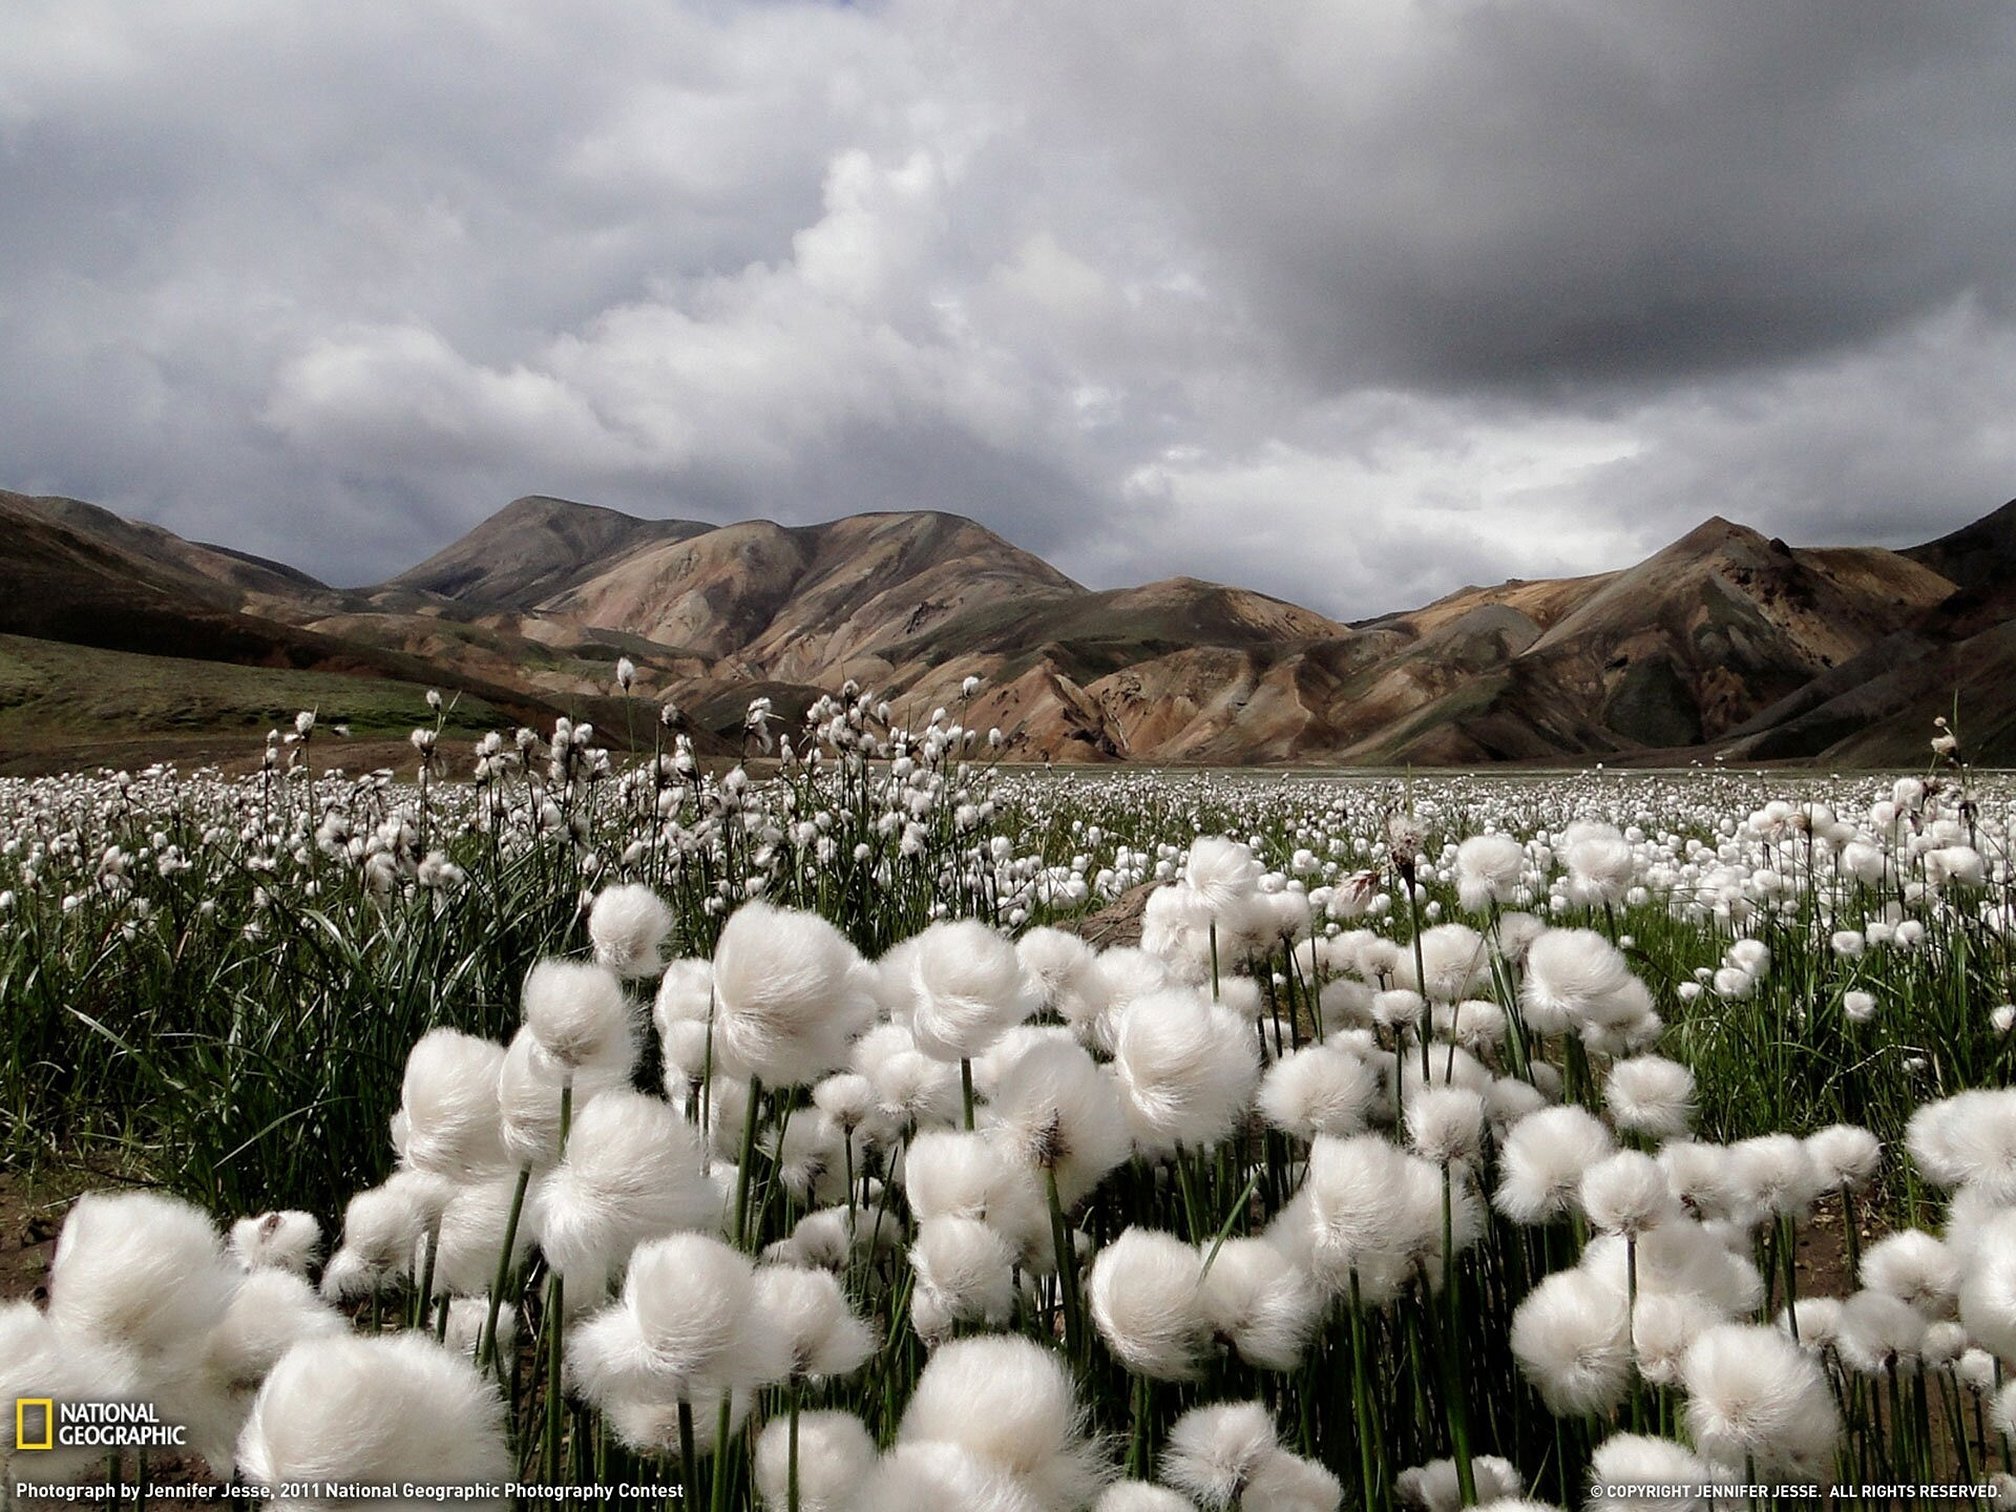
<point>1981,559</point>
<point>1702,635</point>
<point>216,574</point>
<point>533,548</point>
<point>549,657</point>
<point>1974,555</point>
<point>912,603</point>
<point>877,579</point>
<point>1170,671</point>
<point>1091,634</point>
<point>85,587</point>
<point>808,602</point>
<point>1674,652</point>
<point>1539,601</point>
<point>1879,708</point>
<point>1724,639</point>
<point>1957,657</point>
<point>1685,647</point>
<point>60,583</point>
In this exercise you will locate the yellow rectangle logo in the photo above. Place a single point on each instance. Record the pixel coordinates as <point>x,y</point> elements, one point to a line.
<point>21,1410</point>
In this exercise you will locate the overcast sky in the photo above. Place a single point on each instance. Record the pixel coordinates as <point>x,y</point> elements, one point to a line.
<point>1353,302</point>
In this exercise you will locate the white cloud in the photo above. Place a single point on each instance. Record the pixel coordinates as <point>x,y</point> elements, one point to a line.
<point>1352,304</point>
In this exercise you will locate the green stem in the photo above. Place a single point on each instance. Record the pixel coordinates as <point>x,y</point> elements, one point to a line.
<point>1067,1269</point>
<point>689,1459</point>
<point>722,1421</point>
<point>555,1357</point>
<point>1631,1328</point>
<point>1184,1186</point>
<point>1420,975</point>
<point>426,1297</point>
<point>1137,1439</point>
<point>1361,1398</point>
<point>1231,1219</point>
<point>742,1176</point>
<point>1452,1370</point>
<point>555,1306</point>
<point>486,1347</point>
<point>1789,1255</point>
<point>791,1497</point>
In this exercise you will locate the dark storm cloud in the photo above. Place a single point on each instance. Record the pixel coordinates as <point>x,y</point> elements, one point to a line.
<point>1572,191</point>
<point>1349,303</point>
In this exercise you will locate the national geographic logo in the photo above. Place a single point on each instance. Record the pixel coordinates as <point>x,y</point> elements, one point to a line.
<point>43,1423</point>
<point>34,1423</point>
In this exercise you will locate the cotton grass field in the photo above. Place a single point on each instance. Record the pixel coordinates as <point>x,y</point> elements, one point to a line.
<point>869,1129</point>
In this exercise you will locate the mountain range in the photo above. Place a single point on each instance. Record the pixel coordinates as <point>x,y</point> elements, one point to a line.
<point>1724,645</point>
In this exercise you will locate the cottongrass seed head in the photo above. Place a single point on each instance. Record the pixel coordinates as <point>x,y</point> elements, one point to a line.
<point>1754,1398</point>
<point>937,1476</point>
<point>1445,1125</point>
<point>1626,1193</point>
<point>575,1011</point>
<point>531,1085</point>
<point>632,1172</point>
<point>1351,1205</point>
<point>453,1123</point>
<point>1435,1487</point>
<point>627,924</point>
<point>1057,1111</point>
<point>949,1172</point>
<point>790,993</point>
<point>1625,1463</point>
<point>1286,1482</point>
<point>1214,1452</point>
<point>965,1273</point>
<point>682,1012</point>
<point>1987,1294</point>
<point>1878,1333</point>
<point>1065,971</point>
<point>1454,960</point>
<point>142,1273</point>
<point>1147,1304</point>
<point>1010,1402</point>
<point>1142,1496</point>
<point>288,1241</point>
<point>377,1411</point>
<point>1776,1175</point>
<point>1968,1141</point>
<point>1488,870</point>
<point>835,1454</point>
<point>1260,1303</point>
<point>1573,977</point>
<point>1187,1070</point>
<point>1544,1159</point>
<point>684,1324</point>
<point>967,989</point>
<point>1222,872</point>
<point>1915,1267</point>
<point>1652,1096</point>
<point>1846,1155</point>
<point>1571,1337</point>
<point>1318,1089</point>
<point>822,1336</point>
<point>39,1360</point>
